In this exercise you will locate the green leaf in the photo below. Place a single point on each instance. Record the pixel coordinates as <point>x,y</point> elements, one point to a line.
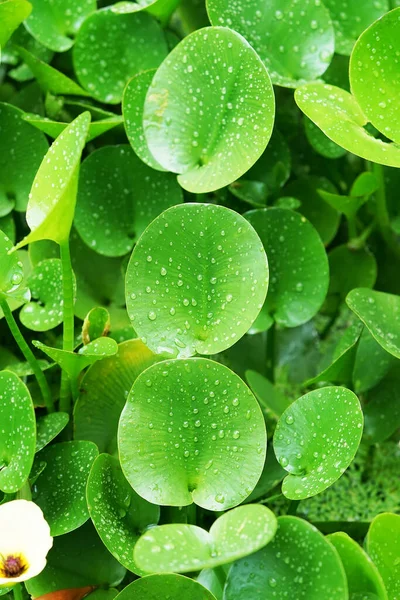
<point>369,352</point>
<point>211,450</point>
<point>380,312</point>
<point>103,39</point>
<point>298,264</point>
<point>270,477</point>
<point>362,575</point>
<point>164,587</point>
<point>338,115</point>
<point>274,165</point>
<point>76,560</point>
<point>96,324</point>
<point>54,128</point>
<point>12,284</point>
<point>48,428</point>
<point>285,33</point>
<point>55,23</point>
<point>142,192</point>
<point>103,393</point>
<point>60,488</point>
<point>298,563</point>
<point>382,410</point>
<point>118,513</point>
<point>184,548</point>
<point>52,200</point>
<point>161,9</point>
<point>214,146</point>
<point>316,439</point>
<point>383,546</point>
<point>28,149</point>
<point>252,192</point>
<point>320,142</point>
<point>268,395</point>
<point>17,434</point>
<point>361,270</point>
<point>374,73</point>
<point>12,13</point>
<point>196,280</point>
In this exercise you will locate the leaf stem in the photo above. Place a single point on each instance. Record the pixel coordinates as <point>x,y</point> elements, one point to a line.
<point>68,320</point>
<point>17,591</point>
<point>28,354</point>
<point>271,353</point>
<point>359,242</point>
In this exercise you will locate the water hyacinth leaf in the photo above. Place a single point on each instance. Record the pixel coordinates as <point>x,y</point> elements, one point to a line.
<point>52,200</point>
<point>363,577</point>
<point>68,564</point>
<point>118,513</point>
<point>103,392</point>
<point>374,74</point>
<point>185,548</point>
<point>194,138</point>
<point>96,324</point>
<point>252,192</point>
<point>369,352</point>
<point>298,264</point>
<point>298,563</point>
<point>55,23</point>
<point>320,142</point>
<point>12,284</point>
<point>132,108</point>
<point>295,41</point>
<point>12,13</point>
<point>200,294</point>
<point>382,410</point>
<point>163,587</point>
<point>29,147</point>
<point>54,128</point>
<point>215,442</point>
<point>60,488</point>
<point>347,205</point>
<point>361,270</point>
<point>103,39</point>
<point>383,546</point>
<point>380,312</point>
<point>115,172</point>
<point>338,115</point>
<point>17,434</point>
<point>161,9</point>
<point>48,427</point>
<point>316,439</point>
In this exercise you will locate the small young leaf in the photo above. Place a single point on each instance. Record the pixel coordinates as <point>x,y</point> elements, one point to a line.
<point>383,546</point>
<point>12,284</point>
<point>164,587</point>
<point>96,324</point>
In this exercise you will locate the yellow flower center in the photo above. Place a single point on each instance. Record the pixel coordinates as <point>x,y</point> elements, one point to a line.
<point>13,565</point>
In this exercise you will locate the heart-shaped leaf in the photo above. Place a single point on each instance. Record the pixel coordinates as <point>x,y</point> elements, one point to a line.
<point>118,513</point>
<point>383,546</point>
<point>210,142</point>
<point>298,563</point>
<point>17,433</point>
<point>298,264</point>
<point>54,128</point>
<point>316,439</point>
<point>135,36</point>
<point>96,324</point>
<point>380,312</point>
<point>338,115</point>
<point>12,284</point>
<point>204,443</point>
<point>164,587</point>
<point>295,40</point>
<point>203,293</point>
<point>104,390</point>
<point>48,427</point>
<point>60,488</point>
<point>12,13</point>
<point>182,548</point>
<point>116,172</point>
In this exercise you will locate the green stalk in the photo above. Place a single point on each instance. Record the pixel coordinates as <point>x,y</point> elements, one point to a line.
<point>28,354</point>
<point>271,353</point>
<point>17,592</point>
<point>68,321</point>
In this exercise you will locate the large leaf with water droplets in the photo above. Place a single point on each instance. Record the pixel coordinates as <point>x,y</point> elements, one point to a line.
<point>184,548</point>
<point>165,587</point>
<point>298,264</point>
<point>316,439</point>
<point>204,442</point>
<point>299,563</point>
<point>17,432</point>
<point>12,284</point>
<point>161,9</point>
<point>383,546</point>
<point>12,13</point>
<point>196,280</point>
<point>209,111</point>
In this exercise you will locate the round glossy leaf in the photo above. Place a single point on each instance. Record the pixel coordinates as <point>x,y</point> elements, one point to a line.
<point>28,147</point>
<point>361,270</point>
<point>363,577</point>
<point>132,108</point>
<point>320,142</point>
<point>294,39</point>
<point>165,587</point>
<point>338,115</point>
<point>380,312</point>
<point>118,513</point>
<point>96,324</point>
<point>184,548</point>
<point>17,433</point>
<point>200,436</point>
<point>196,280</point>
<point>316,439</point>
<point>299,563</point>
<point>298,265</point>
<point>161,9</point>
<point>48,427</point>
<point>103,393</point>
<point>383,546</point>
<point>374,69</point>
<point>105,38</point>
<point>12,284</point>
<point>212,136</point>
<point>115,172</point>
<point>55,23</point>
<point>60,488</point>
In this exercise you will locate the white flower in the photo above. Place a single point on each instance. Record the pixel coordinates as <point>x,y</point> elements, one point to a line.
<point>24,541</point>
